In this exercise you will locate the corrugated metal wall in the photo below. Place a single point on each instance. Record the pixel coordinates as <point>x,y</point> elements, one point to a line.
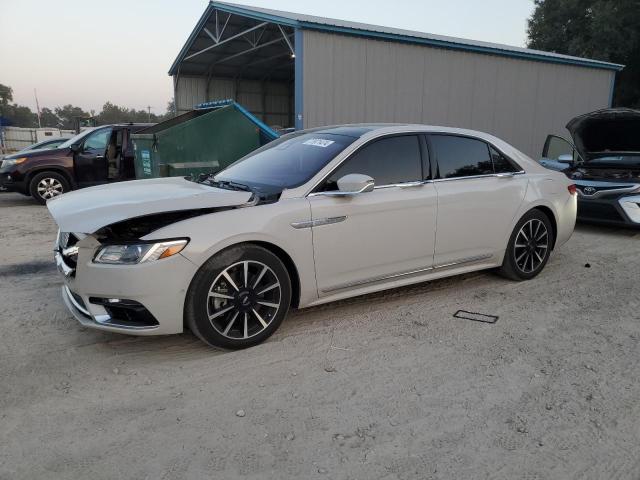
<point>352,79</point>
<point>269,101</point>
<point>17,138</point>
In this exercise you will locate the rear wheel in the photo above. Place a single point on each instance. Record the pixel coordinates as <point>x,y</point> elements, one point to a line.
<point>238,298</point>
<point>529,247</point>
<point>47,185</point>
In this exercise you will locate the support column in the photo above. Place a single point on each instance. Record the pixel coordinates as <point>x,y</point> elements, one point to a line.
<point>299,80</point>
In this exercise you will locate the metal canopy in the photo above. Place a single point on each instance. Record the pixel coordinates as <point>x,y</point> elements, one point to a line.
<point>229,45</point>
<point>309,22</point>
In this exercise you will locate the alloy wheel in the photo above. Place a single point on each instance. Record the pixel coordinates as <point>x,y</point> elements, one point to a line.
<point>531,246</point>
<point>49,188</point>
<point>243,300</point>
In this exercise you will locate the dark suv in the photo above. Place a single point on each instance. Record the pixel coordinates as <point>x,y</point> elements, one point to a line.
<point>96,156</point>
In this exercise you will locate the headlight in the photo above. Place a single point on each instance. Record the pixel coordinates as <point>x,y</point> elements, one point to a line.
<point>131,254</point>
<point>14,161</point>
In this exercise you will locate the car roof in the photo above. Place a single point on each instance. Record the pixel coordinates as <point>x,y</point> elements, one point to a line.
<point>351,130</point>
<point>358,130</point>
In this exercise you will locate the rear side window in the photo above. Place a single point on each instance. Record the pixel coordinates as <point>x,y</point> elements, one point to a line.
<point>502,164</point>
<point>388,161</point>
<point>461,156</point>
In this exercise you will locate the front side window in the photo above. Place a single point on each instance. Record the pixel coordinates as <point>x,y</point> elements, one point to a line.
<point>98,140</point>
<point>388,161</point>
<point>461,156</point>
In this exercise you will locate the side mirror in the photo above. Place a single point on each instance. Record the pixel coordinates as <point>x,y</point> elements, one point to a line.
<point>351,185</point>
<point>355,183</point>
<point>560,150</point>
<point>75,148</point>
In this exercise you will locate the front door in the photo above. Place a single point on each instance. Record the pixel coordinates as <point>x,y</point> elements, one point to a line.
<point>375,236</point>
<point>90,161</point>
<point>479,192</point>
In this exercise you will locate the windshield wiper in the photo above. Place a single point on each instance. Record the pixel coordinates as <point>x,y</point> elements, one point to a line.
<point>228,185</point>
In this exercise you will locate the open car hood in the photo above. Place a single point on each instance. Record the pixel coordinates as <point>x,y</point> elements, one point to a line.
<point>609,130</point>
<point>88,210</point>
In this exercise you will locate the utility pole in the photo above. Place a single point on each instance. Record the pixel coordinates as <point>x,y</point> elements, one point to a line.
<point>149,109</point>
<point>35,93</point>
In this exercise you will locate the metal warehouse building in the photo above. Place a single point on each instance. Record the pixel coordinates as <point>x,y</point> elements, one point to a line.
<point>298,70</point>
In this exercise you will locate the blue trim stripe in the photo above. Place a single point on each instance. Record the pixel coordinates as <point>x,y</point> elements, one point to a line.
<point>299,81</point>
<point>612,89</point>
<point>266,130</point>
<point>452,45</point>
<point>461,46</point>
<point>247,12</point>
<point>192,38</point>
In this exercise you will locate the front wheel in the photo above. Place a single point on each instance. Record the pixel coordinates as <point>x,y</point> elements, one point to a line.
<point>529,247</point>
<point>238,298</point>
<point>46,185</point>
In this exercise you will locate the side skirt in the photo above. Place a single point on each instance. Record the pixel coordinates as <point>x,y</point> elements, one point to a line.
<point>412,278</point>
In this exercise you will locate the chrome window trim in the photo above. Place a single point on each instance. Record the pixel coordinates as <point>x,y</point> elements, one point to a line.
<point>334,193</point>
<point>488,175</point>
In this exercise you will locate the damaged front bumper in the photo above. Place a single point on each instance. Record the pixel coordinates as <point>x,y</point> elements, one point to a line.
<point>142,299</point>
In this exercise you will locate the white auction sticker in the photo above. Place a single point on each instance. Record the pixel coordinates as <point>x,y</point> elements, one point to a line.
<point>318,142</point>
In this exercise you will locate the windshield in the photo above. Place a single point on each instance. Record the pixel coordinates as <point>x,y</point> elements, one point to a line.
<point>46,145</point>
<point>287,162</point>
<point>77,138</point>
<point>618,161</point>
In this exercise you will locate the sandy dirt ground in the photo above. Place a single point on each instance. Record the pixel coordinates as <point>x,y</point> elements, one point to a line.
<point>387,386</point>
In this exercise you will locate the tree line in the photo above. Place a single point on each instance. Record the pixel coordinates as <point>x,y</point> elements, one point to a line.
<point>64,117</point>
<point>606,30</point>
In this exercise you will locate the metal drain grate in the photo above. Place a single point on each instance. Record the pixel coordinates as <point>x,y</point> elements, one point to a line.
<point>476,317</point>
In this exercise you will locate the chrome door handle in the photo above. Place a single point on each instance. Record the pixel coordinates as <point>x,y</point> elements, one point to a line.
<point>411,184</point>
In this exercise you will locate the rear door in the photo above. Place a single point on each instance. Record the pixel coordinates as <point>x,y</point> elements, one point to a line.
<point>376,236</point>
<point>90,161</point>
<point>479,192</point>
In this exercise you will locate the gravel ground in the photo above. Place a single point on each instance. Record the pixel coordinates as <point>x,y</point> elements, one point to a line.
<point>387,386</point>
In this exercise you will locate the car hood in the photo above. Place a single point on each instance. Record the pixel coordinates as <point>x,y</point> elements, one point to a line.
<point>88,210</point>
<point>610,130</point>
<point>48,152</point>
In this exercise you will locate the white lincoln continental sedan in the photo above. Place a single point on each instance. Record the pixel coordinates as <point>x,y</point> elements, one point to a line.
<point>315,216</point>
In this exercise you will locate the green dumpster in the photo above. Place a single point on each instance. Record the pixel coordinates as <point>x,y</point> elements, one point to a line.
<point>204,140</point>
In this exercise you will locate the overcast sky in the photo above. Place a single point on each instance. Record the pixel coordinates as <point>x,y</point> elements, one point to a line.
<point>86,52</point>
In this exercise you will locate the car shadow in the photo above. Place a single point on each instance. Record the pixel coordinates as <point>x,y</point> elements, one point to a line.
<point>607,230</point>
<point>10,199</point>
<point>166,348</point>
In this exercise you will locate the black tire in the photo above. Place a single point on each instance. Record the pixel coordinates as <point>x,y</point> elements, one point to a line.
<point>46,185</point>
<point>523,262</point>
<point>216,309</point>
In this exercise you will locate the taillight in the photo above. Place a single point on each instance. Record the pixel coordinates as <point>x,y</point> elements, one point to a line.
<point>572,189</point>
